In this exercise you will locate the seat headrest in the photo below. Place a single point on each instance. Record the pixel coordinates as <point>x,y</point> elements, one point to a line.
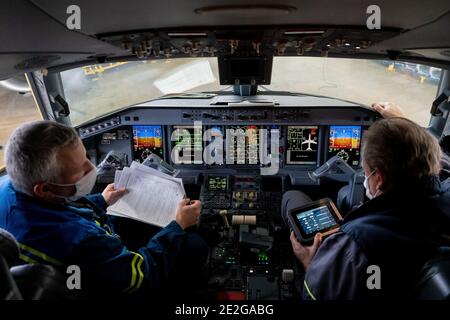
<point>434,281</point>
<point>9,248</point>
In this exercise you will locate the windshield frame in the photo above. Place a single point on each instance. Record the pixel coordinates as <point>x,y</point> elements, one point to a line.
<point>57,70</point>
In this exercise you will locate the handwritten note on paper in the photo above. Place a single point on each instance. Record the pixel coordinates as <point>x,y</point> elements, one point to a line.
<point>152,195</point>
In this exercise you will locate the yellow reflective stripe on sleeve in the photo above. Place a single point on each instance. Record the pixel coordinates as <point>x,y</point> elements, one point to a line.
<point>107,232</point>
<point>39,254</point>
<point>140,273</point>
<point>103,227</point>
<point>309,291</point>
<point>26,259</point>
<point>133,273</point>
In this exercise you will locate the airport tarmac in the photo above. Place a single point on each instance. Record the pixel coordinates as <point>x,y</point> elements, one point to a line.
<point>361,81</point>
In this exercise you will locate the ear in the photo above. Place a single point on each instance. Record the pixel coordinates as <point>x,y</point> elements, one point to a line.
<point>380,180</point>
<point>42,190</point>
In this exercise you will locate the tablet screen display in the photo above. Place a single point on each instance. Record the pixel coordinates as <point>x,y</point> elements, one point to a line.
<point>318,216</point>
<point>315,220</point>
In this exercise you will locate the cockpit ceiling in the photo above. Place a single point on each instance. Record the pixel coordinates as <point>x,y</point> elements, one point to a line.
<point>34,33</point>
<point>106,16</point>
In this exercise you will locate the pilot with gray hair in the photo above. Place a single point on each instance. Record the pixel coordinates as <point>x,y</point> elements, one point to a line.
<point>45,203</point>
<point>394,233</point>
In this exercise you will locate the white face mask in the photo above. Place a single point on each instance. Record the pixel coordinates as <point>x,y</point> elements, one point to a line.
<point>366,186</point>
<point>82,187</point>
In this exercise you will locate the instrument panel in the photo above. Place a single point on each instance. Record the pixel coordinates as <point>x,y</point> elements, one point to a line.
<point>241,208</point>
<point>302,145</point>
<point>235,138</point>
<point>147,140</point>
<point>345,142</point>
<point>182,146</point>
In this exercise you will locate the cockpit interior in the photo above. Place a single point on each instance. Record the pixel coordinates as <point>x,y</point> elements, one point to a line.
<point>222,109</point>
<point>240,206</point>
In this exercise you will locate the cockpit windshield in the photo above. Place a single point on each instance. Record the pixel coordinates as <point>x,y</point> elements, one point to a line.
<point>95,90</point>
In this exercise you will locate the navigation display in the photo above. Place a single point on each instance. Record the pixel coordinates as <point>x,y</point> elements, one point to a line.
<point>245,147</point>
<point>302,142</point>
<point>345,142</point>
<point>146,140</point>
<point>195,145</point>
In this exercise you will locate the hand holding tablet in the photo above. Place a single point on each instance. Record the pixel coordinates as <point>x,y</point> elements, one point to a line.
<point>318,216</point>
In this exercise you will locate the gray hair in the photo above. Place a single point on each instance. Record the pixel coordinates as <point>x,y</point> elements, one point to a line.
<point>401,150</point>
<point>31,153</point>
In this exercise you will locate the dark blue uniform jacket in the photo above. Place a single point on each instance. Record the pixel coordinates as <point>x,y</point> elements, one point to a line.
<point>63,235</point>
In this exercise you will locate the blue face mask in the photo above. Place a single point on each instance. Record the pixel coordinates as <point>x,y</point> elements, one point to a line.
<point>366,186</point>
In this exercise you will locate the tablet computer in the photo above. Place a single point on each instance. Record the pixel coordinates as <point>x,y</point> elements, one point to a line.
<point>318,216</point>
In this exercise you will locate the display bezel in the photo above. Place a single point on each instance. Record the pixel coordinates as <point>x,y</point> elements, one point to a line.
<point>286,142</point>
<point>329,154</point>
<point>172,144</point>
<point>227,188</point>
<point>300,233</point>
<point>132,140</point>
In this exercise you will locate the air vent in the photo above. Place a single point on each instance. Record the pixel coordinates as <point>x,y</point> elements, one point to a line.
<point>252,10</point>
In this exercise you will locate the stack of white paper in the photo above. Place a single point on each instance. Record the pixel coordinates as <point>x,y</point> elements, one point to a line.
<point>152,196</point>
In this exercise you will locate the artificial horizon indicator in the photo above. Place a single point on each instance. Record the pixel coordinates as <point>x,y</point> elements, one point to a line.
<point>147,140</point>
<point>345,142</point>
